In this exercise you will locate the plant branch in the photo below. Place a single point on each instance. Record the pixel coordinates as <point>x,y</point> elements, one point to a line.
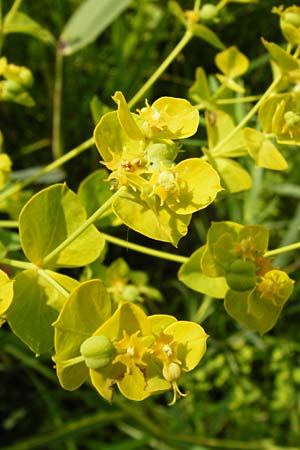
<point>158,72</point>
<point>53,282</point>
<point>286,248</point>
<point>57,97</point>
<point>9,224</point>
<point>11,13</point>
<point>246,119</point>
<point>17,264</point>
<point>59,162</point>
<point>145,250</point>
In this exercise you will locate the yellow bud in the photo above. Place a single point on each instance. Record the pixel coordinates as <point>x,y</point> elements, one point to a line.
<point>171,372</point>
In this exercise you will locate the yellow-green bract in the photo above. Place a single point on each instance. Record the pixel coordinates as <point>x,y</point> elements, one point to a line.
<point>141,355</point>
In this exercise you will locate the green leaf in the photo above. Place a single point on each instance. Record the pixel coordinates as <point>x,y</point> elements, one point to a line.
<point>192,276</point>
<point>30,316</point>
<point>237,178</point>
<point>284,60</point>
<point>98,108</point>
<point>199,91</point>
<point>88,22</point>
<point>56,300</point>
<point>206,34</point>
<point>232,62</point>
<point>263,151</point>
<point>21,23</point>
<point>93,191</point>
<point>219,124</point>
<point>160,223</point>
<point>87,307</point>
<point>6,294</point>
<point>5,169</point>
<point>48,219</point>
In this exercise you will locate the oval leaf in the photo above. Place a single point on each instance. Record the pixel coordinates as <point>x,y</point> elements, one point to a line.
<point>48,219</point>
<point>87,307</point>
<point>30,316</point>
<point>192,276</point>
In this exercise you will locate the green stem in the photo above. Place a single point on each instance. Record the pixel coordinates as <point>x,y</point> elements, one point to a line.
<point>286,248</point>
<point>221,4</point>
<point>71,362</point>
<point>9,224</point>
<point>10,15</point>
<point>197,5</point>
<point>158,72</point>
<point>246,119</point>
<point>53,282</point>
<point>57,97</point>
<point>100,211</point>
<point>17,264</point>
<point>247,99</point>
<point>145,250</point>
<point>59,162</point>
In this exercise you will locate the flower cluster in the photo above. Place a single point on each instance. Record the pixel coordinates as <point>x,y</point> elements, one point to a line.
<point>257,290</point>
<point>140,151</point>
<point>143,355</point>
<point>254,291</point>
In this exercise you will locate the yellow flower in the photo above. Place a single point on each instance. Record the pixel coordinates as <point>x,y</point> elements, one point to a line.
<point>178,348</point>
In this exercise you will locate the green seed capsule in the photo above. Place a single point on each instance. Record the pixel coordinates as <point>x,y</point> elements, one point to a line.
<point>208,12</point>
<point>98,351</point>
<point>160,154</point>
<point>241,275</point>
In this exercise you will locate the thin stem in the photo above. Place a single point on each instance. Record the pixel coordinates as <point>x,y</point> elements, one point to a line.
<point>145,250</point>
<point>71,361</point>
<point>221,4</point>
<point>53,282</point>
<point>10,15</point>
<point>246,119</point>
<point>158,72</point>
<point>197,5</point>
<point>9,224</point>
<point>18,264</point>
<point>286,248</point>
<point>57,97</point>
<point>100,211</point>
<point>247,99</point>
<point>59,162</point>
